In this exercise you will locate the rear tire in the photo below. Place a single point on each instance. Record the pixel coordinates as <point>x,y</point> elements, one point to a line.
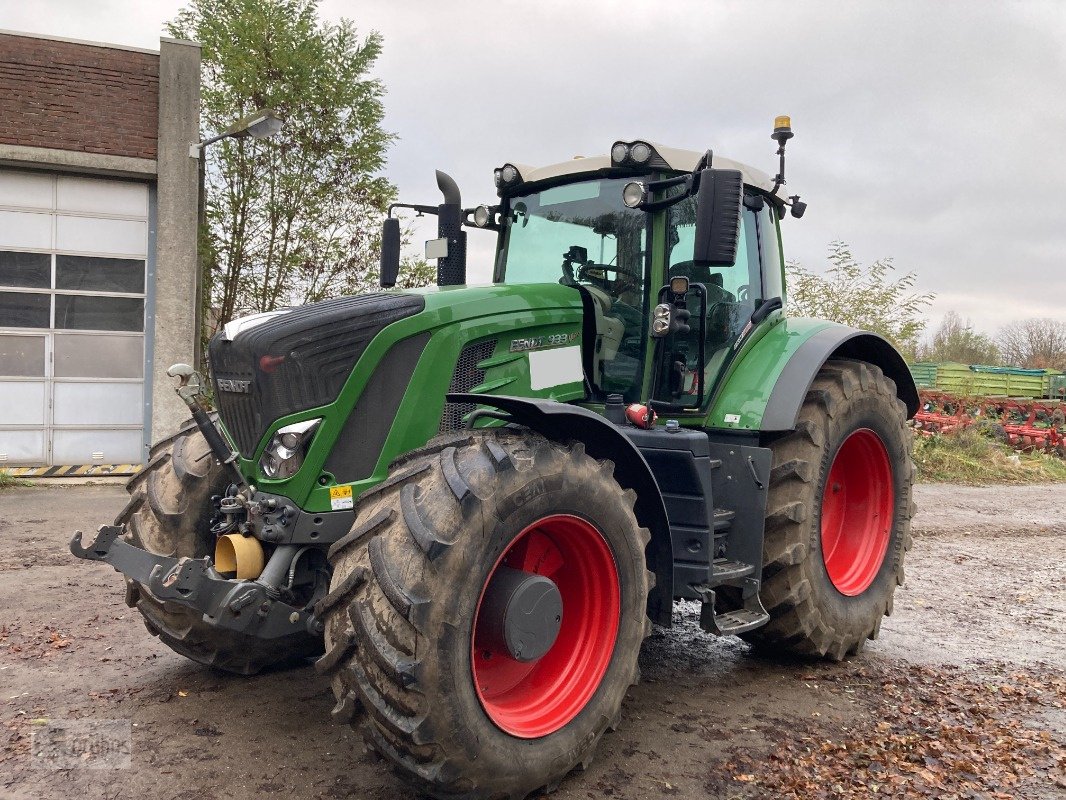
<point>404,629</point>
<point>169,513</point>
<point>838,516</point>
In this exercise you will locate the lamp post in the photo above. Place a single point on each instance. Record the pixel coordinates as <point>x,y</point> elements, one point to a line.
<point>257,125</point>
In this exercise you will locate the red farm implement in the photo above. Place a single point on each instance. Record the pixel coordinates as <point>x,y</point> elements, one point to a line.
<point>1023,423</point>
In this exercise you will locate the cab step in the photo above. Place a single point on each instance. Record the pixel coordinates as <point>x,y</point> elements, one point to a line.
<point>725,571</point>
<point>731,623</point>
<point>723,519</point>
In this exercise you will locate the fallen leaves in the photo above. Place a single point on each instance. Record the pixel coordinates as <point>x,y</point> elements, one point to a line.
<point>930,732</point>
<point>23,645</point>
<point>57,641</point>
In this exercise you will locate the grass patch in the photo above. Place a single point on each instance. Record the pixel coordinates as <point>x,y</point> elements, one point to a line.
<point>7,480</point>
<point>971,458</point>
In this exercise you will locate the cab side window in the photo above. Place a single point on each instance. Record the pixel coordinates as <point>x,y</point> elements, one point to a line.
<point>770,247</point>
<point>732,292</point>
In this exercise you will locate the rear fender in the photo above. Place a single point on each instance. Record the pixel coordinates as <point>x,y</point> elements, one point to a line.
<point>563,422</point>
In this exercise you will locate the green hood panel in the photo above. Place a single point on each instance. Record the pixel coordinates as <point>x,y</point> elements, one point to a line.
<point>544,316</point>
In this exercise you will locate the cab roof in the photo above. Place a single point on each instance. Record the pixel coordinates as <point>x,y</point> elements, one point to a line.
<point>672,158</point>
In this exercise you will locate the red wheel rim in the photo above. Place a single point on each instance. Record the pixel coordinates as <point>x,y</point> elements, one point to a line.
<point>536,698</point>
<point>857,507</point>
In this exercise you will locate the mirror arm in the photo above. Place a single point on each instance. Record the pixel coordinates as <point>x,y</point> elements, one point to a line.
<point>690,182</point>
<point>414,207</point>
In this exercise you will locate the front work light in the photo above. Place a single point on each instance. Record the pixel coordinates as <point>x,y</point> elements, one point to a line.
<point>634,194</point>
<point>482,216</point>
<point>633,154</point>
<point>640,152</point>
<point>285,454</point>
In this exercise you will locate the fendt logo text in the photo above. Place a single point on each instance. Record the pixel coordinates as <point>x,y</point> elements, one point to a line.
<point>240,387</point>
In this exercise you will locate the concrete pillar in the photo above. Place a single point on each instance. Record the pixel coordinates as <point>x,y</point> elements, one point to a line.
<point>177,274</point>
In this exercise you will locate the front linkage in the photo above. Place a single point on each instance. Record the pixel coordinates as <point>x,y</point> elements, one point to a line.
<point>257,608</point>
<point>250,607</point>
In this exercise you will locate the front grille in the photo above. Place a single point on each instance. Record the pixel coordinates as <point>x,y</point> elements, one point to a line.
<point>466,376</point>
<point>238,411</point>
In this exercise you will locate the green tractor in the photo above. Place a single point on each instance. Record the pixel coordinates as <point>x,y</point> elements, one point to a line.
<point>475,501</point>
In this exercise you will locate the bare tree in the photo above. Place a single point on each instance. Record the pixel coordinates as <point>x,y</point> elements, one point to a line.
<point>956,340</point>
<point>1034,343</point>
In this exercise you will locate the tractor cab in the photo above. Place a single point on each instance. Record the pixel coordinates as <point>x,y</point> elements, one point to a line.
<point>626,231</point>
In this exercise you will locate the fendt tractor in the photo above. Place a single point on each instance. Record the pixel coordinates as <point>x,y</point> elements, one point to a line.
<point>475,501</point>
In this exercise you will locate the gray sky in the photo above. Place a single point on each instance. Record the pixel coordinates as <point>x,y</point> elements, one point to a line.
<point>932,133</point>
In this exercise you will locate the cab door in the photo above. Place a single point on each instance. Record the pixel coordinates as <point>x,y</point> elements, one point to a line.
<point>732,294</point>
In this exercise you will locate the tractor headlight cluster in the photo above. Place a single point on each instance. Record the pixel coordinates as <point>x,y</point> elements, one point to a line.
<point>507,176</point>
<point>285,454</point>
<point>660,320</point>
<point>631,154</point>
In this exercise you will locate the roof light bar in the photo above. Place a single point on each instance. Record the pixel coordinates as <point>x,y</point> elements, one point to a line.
<point>632,154</point>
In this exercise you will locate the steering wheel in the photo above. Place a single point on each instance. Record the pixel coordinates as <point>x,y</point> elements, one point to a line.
<point>587,273</point>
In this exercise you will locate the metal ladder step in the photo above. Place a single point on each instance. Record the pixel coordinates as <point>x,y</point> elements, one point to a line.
<point>724,571</point>
<point>734,622</point>
<point>731,623</point>
<point>723,518</point>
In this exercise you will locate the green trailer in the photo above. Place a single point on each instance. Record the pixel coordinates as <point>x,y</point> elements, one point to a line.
<point>979,380</point>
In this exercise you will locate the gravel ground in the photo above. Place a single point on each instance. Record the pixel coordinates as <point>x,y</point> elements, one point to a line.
<point>985,595</point>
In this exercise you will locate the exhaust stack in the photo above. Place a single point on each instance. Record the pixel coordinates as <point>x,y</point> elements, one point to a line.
<point>451,269</point>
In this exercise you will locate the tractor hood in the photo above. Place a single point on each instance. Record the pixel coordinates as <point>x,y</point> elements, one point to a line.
<point>375,369</point>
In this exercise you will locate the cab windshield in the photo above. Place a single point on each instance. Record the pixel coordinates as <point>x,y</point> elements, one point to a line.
<point>582,235</point>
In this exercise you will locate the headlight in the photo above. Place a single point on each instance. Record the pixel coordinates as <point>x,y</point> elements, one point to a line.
<point>285,454</point>
<point>660,320</point>
<point>634,194</point>
<point>483,216</point>
<point>619,152</point>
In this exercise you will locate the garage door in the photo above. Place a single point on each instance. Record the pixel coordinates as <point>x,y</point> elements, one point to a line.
<point>73,254</point>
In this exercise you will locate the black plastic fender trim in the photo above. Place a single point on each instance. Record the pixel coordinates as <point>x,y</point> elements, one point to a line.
<point>564,422</point>
<point>796,378</point>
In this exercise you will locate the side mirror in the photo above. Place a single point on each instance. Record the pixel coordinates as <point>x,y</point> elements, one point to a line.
<point>390,253</point>
<point>718,204</point>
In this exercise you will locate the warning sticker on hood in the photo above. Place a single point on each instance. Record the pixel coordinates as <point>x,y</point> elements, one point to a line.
<point>340,497</point>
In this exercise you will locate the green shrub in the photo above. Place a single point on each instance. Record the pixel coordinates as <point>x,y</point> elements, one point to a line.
<point>973,458</point>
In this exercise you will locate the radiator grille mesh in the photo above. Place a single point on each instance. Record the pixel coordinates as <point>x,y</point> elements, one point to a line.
<point>465,377</point>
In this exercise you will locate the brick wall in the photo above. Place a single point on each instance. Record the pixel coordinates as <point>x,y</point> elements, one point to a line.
<point>78,97</point>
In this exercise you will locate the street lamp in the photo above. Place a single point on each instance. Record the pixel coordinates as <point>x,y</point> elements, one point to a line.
<point>257,125</point>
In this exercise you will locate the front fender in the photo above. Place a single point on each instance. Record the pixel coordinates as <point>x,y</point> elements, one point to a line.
<point>563,422</point>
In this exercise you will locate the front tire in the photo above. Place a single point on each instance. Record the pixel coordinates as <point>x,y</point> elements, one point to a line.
<point>410,626</point>
<point>838,516</point>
